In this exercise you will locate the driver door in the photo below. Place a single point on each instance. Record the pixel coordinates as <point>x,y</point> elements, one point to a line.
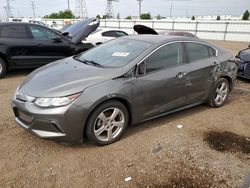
<point>48,46</point>
<point>161,85</point>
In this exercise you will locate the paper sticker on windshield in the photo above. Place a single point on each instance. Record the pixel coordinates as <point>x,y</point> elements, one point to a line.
<point>120,54</point>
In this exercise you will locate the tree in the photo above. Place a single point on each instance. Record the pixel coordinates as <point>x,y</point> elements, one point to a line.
<point>146,16</point>
<point>158,17</point>
<point>245,15</point>
<point>193,18</point>
<point>61,15</point>
<point>218,18</point>
<point>128,18</point>
<point>98,17</point>
<point>105,17</point>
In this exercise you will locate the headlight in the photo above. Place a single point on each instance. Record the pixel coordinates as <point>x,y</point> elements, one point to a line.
<point>56,102</point>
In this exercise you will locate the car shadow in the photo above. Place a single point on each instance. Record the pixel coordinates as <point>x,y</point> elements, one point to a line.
<point>18,73</point>
<point>245,80</point>
<point>157,122</point>
<point>160,121</point>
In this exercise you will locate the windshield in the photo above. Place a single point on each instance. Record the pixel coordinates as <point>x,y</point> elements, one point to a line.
<point>115,53</point>
<point>245,55</point>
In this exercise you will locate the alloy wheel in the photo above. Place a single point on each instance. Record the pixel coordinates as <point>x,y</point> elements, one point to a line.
<point>109,124</point>
<point>1,68</point>
<point>221,93</point>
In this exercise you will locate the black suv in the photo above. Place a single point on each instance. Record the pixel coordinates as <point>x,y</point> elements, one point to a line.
<point>28,45</point>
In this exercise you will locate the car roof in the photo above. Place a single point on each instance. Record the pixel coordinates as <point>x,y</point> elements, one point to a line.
<point>156,39</point>
<point>18,23</point>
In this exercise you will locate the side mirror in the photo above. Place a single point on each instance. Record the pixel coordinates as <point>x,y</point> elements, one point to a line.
<point>57,39</point>
<point>249,46</point>
<point>141,69</point>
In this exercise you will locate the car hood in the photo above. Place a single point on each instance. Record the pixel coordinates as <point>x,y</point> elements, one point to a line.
<point>142,29</point>
<point>81,30</point>
<point>65,77</point>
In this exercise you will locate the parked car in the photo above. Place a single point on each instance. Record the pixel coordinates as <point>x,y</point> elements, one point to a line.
<point>243,63</point>
<point>37,22</point>
<point>26,45</point>
<point>103,35</point>
<point>124,81</point>
<point>142,29</point>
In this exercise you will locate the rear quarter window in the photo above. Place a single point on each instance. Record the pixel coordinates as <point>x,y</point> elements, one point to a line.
<point>14,31</point>
<point>196,51</point>
<point>212,52</point>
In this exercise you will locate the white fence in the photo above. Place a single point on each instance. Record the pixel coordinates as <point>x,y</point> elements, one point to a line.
<point>215,30</point>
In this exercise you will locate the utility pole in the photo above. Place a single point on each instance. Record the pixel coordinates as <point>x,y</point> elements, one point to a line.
<point>68,5</point>
<point>140,1</point>
<point>33,8</point>
<point>171,5</point>
<point>171,10</point>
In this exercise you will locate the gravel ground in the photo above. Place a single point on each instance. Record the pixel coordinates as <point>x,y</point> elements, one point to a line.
<point>211,150</point>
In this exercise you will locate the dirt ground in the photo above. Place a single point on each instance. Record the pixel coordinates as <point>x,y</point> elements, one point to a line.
<point>211,150</point>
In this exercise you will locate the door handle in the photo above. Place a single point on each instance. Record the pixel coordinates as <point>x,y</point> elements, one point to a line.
<point>216,63</point>
<point>39,45</point>
<point>181,75</point>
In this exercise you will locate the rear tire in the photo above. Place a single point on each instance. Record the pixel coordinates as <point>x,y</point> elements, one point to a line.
<point>219,93</point>
<point>3,68</point>
<point>107,123</point>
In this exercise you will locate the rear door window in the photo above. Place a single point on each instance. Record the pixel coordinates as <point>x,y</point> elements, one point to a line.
<point>14,31</point>
<point>196,51</point>
<point>109,34</point>
<point>114,34</point>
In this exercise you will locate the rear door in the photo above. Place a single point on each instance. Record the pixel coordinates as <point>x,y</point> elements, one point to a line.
<point>199,71</point>
<point>18,44</point>
<point>161,83</point>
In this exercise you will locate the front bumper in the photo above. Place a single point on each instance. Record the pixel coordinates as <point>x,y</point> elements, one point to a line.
<point>64,124</point>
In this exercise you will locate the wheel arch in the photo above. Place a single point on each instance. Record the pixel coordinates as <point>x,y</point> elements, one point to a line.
<point>5,59</point>
<point>230,81</point>
<point>121,99</point>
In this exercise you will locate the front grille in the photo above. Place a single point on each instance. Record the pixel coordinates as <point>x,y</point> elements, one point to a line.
<point>247,70</point>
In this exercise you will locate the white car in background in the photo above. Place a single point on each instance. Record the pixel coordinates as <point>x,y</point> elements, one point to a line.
<point>102,35</point>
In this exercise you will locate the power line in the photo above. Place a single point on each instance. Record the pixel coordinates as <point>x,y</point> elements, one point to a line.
<point>33,8</point>
<point>109,8</point>
<point>81,9</point>
<point>8,9</point>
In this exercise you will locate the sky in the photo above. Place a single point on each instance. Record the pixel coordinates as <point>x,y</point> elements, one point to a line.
<point>22,8</point>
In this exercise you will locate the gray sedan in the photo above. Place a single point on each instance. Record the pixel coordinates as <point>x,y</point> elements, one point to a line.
<point>97,94</point>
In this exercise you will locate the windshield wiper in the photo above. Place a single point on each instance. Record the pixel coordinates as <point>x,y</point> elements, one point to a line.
<point>93,63</point>
<point>88,62</point>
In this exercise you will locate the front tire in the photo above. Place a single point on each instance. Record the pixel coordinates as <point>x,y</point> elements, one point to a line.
<point>3,68</point>
<point>107,123</point>
<point>219,93</point>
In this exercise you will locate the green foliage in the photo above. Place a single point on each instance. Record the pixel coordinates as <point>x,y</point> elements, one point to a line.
<point>193,18</point>
<point>61,15</point>
<point>146,16</point>
<point>128,18</point>
<point>98,17</point>
<point>105,17</point>
<point>218,18</point>
<point>246,15</point>
<point>158,17</point>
